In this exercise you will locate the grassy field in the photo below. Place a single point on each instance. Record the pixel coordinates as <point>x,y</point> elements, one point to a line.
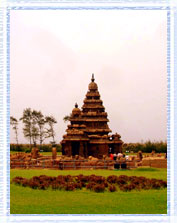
<point>29,201</point>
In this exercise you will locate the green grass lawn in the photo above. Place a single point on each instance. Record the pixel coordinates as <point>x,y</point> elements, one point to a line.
<point>29,201</point>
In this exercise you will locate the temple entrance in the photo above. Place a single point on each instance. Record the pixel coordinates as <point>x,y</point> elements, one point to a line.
<point>75,148</point>
<point>111,149</point>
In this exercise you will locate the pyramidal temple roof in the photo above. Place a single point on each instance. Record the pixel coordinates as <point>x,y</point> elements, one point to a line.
<point>92,114</point>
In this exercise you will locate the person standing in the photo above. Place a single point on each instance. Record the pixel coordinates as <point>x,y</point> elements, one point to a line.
<point>114,156</point>
<point>111,156</point>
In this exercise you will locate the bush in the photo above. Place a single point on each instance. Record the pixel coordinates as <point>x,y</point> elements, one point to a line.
<point>112,179</point>
<point>112,188</point>
<point>70,183</point>
<point>27,149</point>
<point>55,186</point>
<point>147,147</point>
<point>69,187</point>
<point>99,188</point>
<point>90,186</point>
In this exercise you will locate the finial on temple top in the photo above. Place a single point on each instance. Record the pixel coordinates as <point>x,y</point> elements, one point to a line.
<point>76,105</point>
<point>93,78</point>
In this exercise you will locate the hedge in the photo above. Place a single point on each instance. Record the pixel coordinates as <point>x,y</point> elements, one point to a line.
<point>147,147</point>
<point>26,147</point>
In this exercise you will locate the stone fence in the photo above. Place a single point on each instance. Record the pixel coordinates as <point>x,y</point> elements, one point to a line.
<point>26,161</point>
<point>70,164</point>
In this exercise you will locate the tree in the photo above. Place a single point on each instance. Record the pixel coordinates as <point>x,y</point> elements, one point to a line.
<point>50,120</point>
<point>67,118</point>
<point>30,130</point>
<point>40,122</point>
<point>28,123</point>
<point>35,132</point>
<point>14,123</point>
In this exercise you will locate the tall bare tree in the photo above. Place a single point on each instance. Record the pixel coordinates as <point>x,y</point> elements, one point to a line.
<point>30,129</point>
<point>40,122</point>
<point>14,124</point>
<point>50,120</point>
<point>27,120</point>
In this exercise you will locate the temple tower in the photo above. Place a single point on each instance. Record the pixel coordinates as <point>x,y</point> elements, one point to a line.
<point>93,112</point>
<point>88,131</point>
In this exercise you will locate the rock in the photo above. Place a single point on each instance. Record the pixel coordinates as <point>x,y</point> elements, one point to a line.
<point>107,158</point>
<point>76,157</point>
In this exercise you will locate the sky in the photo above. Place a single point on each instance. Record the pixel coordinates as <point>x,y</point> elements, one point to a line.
<point>53,54</point>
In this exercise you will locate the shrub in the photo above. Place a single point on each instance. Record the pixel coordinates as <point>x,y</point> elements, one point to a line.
<point>105,184</point>
<point>25,182</point>
<point>163,183</point>
<point>78,185</point>
<point>125,187</point>
<point>123,177</point>
<point>17,180</point>
<point>90,185</point>
<point>112,188</point>
<point>42,186</point>
<point>55,186</point>
<point>69,187</point>
<point>33,184</point>
<point>27,149</point>
<point>94,183</point>
<point>146,147</point>
<point>99,188</point>
<point>83,179</point>
<point>112,179</point>
<point>156,185</point>
<point>131,186</point>
<point>98,179</point>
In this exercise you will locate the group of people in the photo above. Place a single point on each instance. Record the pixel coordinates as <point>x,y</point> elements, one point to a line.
<point>118,156</point>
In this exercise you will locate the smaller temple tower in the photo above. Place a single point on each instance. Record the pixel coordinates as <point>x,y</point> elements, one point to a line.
<point>88,131</point>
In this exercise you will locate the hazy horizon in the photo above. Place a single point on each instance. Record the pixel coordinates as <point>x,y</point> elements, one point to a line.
<point>54,53</point>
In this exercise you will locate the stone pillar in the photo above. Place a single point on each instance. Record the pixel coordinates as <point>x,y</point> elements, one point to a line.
<point>34,153</point>
<point>81,149</point>
<point>54,153</point>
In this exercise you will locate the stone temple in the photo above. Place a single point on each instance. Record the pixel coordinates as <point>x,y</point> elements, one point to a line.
<point>88,131</point>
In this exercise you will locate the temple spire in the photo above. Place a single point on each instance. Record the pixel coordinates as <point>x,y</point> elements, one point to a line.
<point>93,78</point>
<point>76,105</point>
